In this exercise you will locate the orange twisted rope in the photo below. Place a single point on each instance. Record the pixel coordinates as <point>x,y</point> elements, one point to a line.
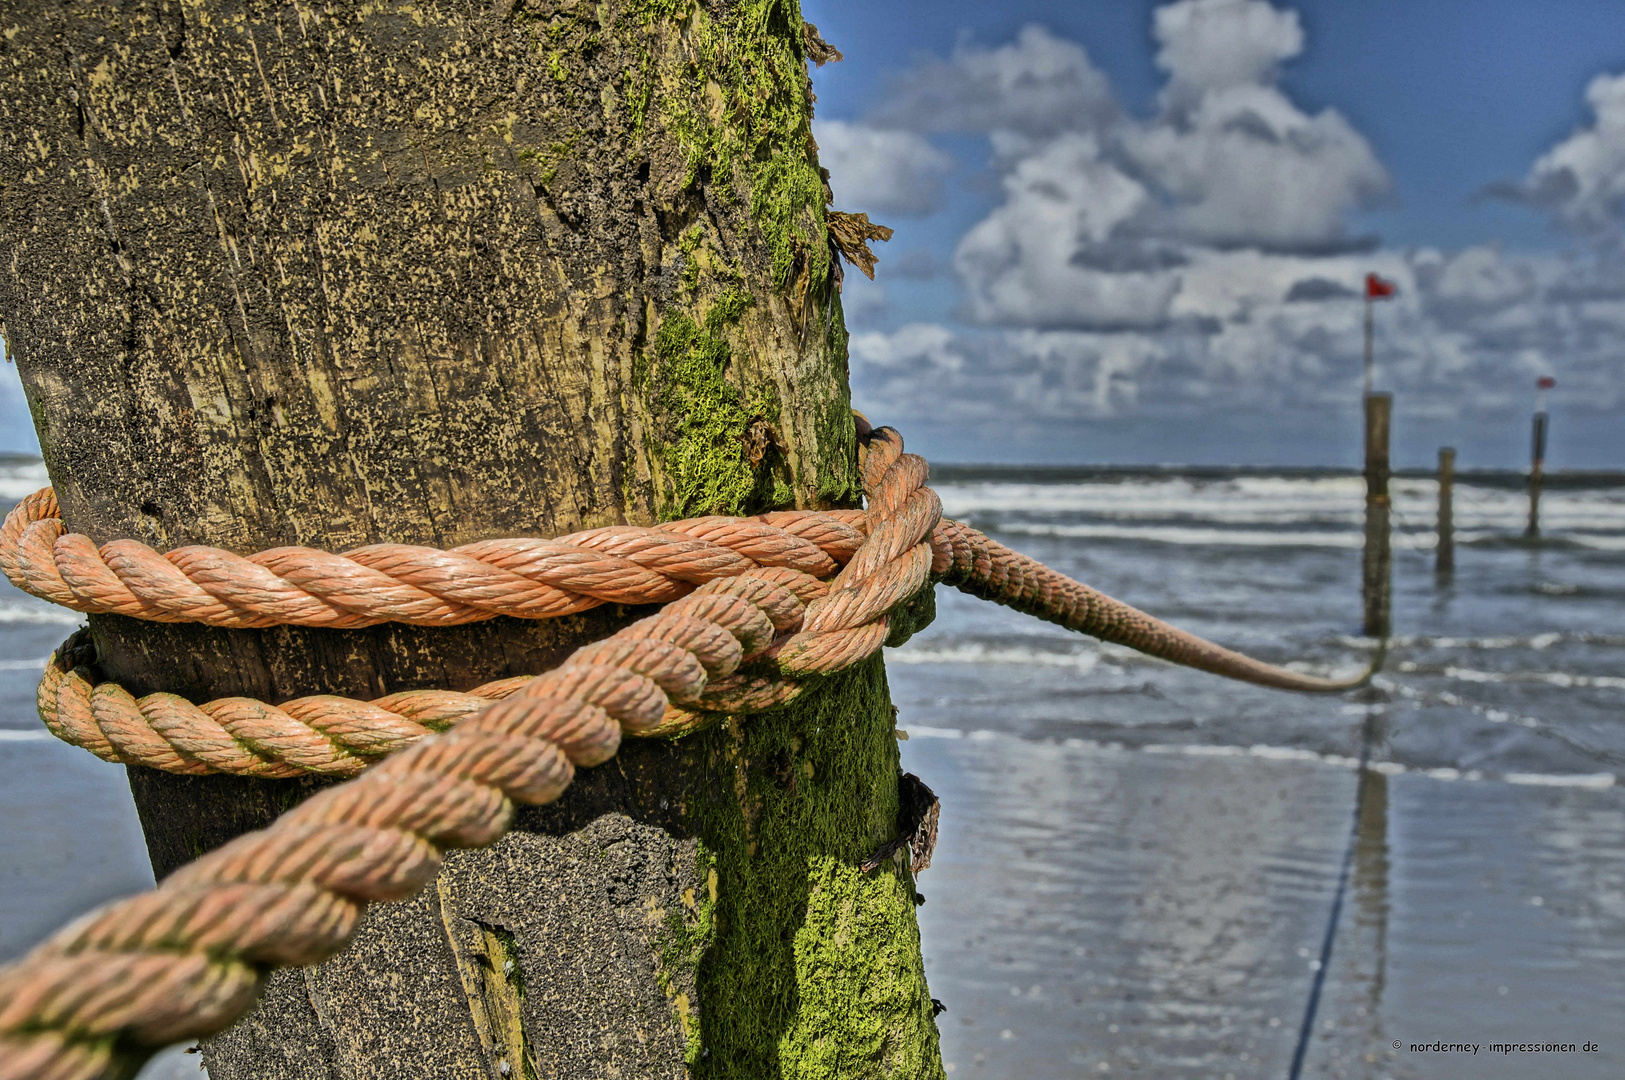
<point>186,960</point>
<point>297,586</point>
<point>340,736</point>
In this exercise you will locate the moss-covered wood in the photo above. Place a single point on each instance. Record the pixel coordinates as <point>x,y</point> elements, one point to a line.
<point>435,272</point>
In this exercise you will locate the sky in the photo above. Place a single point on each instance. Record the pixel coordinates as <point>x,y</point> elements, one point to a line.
<point>1134,232</point>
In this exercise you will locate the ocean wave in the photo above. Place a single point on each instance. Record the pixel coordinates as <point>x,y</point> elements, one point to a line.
<point>1083,659</point>
<point>1186,535</point>
<point>1197,536</point>
<point>1497,715</point>
<point>980,654</point>
<point>1259,488</point>
<point>1564,679</point>
<point>25,735</point>
<point>1598,519</point>
<point>20,480</point>
<point>1536,642</point>
<point>1592,781</point>
<point>1596,781</point>
<point>1550,539</point>
<point>37,611</point>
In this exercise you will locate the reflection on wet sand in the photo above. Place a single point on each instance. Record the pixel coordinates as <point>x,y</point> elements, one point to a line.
<point>1505,921</point>
<point>1348,1040</point>
<point>1095,910</point>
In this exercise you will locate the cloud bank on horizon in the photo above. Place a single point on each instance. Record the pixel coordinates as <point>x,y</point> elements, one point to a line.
<point>1200,259</point>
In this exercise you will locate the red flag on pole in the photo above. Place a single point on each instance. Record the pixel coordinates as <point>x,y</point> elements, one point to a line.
<point>1376,288</point>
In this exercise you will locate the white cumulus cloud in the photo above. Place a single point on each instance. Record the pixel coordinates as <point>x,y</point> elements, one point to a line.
<point>1244,166</point>
<point>1100,211</point>
<point>1581,180</point>
<point>1217,44</point>
<point>882,171</point>
<point>1037,85</point>
<point>1202,260</point>
<point>1027,263</point>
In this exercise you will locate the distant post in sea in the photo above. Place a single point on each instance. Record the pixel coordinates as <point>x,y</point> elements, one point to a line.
<point>1537,462</point>
<point>1376,570</point>
<point>1444,550</point>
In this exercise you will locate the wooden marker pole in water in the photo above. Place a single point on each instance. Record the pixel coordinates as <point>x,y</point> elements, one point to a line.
<point>1537,456</point>
<point>1376,566</point>
<point>1444,551</point>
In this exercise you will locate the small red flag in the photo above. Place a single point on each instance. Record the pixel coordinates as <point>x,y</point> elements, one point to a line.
<point>1376,288</point>
<point>1545,382</point>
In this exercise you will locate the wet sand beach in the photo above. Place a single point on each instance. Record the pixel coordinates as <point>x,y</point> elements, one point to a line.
<point>1185,942</point>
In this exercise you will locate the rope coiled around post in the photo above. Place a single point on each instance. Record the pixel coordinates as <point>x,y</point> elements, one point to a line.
<point>748,621</point>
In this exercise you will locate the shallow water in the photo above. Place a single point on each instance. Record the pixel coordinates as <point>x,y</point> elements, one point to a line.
<point>1138,862</point>
<point>1513,668</point>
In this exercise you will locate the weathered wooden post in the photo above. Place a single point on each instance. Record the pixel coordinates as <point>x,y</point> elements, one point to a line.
<point>435,273</point>
<point>1537,455</point>
<point>1444,550</point>
<point>1374,570</point>
<point>1376,564</point>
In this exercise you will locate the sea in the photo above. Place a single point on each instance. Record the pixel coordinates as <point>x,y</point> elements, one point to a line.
<point>1150,871</point>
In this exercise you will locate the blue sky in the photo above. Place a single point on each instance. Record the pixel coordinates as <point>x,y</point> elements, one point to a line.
<point>1130,231</point>
<point>1451,95</point>
<point>1018,313</point>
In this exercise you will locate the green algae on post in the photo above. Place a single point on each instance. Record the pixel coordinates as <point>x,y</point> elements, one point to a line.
<point>718,454</point>
<point>757,132</point>
<point>814,970</point>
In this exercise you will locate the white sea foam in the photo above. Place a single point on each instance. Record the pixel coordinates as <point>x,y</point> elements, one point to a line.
<point>24,665</point>
<point>29,735</point>
<point>1551,678</point>
<point>17,481</point>
<point>1172,495</point>
<point>979,654</point>
<point>1536,642</point>
<point>1594,541</point>
<point>1184,534</point>
<point>1199,536</point>
<point>1456,701</point>
<point>1348,539</point>
<point>1084,658</point>
<point>1588,781</point>
<point>37,611</point>
<point>1596,781</point>
<point>1592,519</point>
